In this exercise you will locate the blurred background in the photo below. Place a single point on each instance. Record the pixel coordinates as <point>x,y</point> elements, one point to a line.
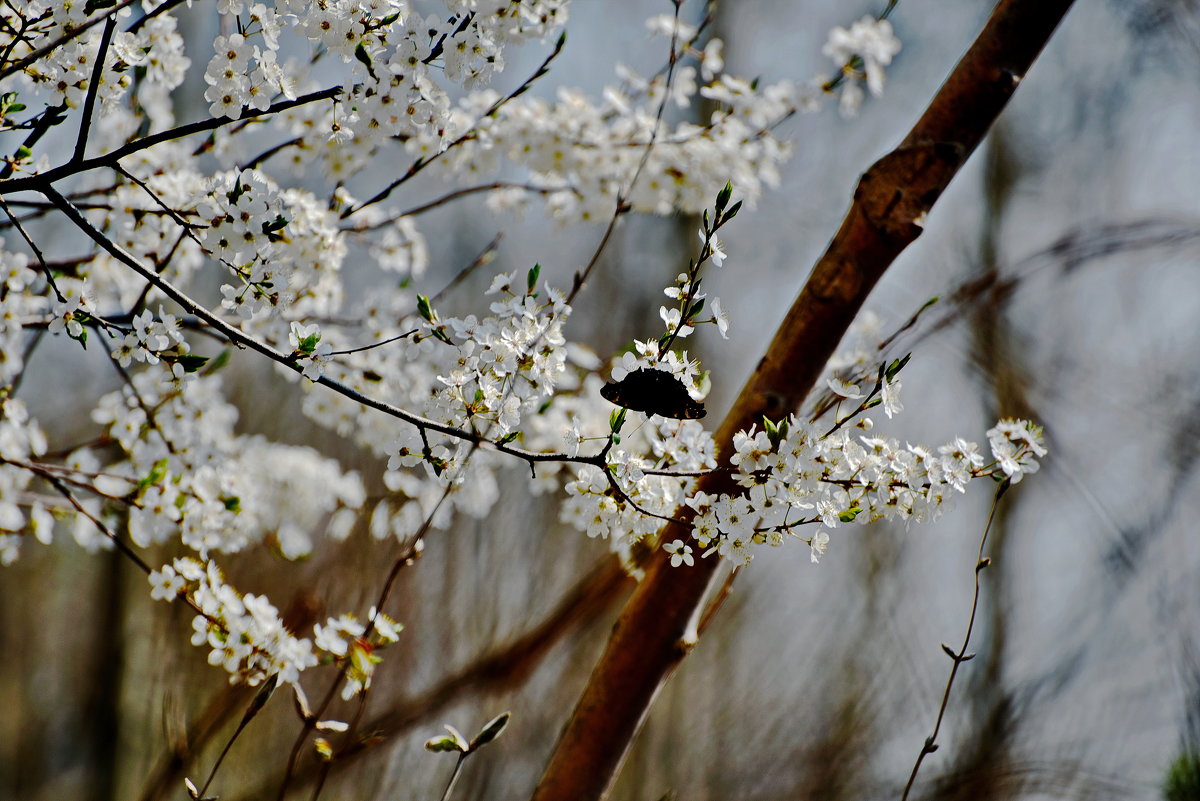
<point>1065,256</point>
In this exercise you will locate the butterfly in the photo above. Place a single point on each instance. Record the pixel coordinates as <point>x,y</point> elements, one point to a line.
<point>653,392</point>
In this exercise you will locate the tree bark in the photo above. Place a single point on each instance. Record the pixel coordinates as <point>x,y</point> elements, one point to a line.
<point>657,627</point>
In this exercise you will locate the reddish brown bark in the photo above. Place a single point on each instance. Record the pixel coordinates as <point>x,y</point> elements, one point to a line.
<point>886,215</point>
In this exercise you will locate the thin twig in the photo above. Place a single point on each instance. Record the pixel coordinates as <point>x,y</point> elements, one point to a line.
<point>455,195</point>
<point>960,656</point>
<point>485,256</point>
<point>37,253</point>
<point>622,206</point>
<point>421,163</point>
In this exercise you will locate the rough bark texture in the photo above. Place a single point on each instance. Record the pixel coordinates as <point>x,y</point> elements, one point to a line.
<point>652,635</point>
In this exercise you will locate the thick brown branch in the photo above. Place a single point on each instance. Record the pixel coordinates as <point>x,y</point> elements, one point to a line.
<point>656,629</point>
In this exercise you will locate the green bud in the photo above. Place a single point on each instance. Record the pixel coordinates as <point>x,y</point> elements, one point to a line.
<point>491,730</point>
<point>454,741</point>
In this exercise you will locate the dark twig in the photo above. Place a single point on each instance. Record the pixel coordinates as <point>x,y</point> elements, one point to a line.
<point>37,253</point>
<point>161,9</point>
<point>109,160</point>
<point>960,656</point>
<point>485,256</point>
<point>622,205</point>
<point>89,100</point>
<point>421,163</point>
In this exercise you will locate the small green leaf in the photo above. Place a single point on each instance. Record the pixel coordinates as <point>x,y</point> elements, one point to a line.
<point>531,278</point>
<point>733,210</point>
<point>191,363</point>
<point>233,503</point>
<point>217,362</point>
<point>424,309</point>
<point>509,437</point>
<point>849,515</point>
<point>360,53</point>
<point>776,432</point>
<point>236,192</point>
<point>491,730</point>
<point>896,366</point>
<point>156,474</point>
<point>279,223</point>
<point>616,420</point>
<point>308,344</point>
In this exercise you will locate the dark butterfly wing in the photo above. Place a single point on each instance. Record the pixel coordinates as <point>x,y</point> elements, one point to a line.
<point>653,392</point>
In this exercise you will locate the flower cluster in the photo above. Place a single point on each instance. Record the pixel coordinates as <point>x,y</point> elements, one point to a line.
<point>583,151</point>
<point>194,478</point>
<point>861,52</point>
<point>506,364</point>
<point>624,504</point>
<point>244,632</point>
<point>346,639</point>
<point>793,476</point>
<point>18,302</point>
<point>21,438</point>
<point>151,341</point>
<point>281,244</point>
